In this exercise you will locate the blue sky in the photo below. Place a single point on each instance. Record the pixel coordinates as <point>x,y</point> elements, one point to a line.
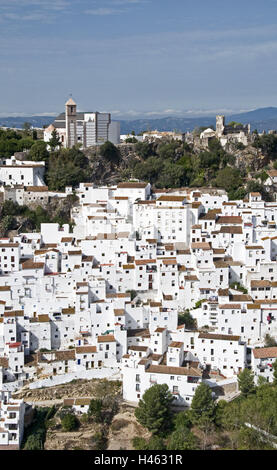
<point>137,57</point>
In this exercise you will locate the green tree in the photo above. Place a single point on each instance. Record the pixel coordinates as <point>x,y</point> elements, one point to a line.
<point>182,439</point>
<point>33,442</point>
<point>139,443</point>
<point>144,150</point>
<point>69,422</point>
<point>269,341</point>
<point>228,178</point>
<point>187,319</point>
<point>153,410</point>
<point>100,440</point>
<point>261,381</point>
<point>54,142</point>
<point>202,405</point>
<point>8,223</point>
<point>234,124</point>
<point>38,151</point>
<point>67,167</point>
<point>246,382</point>
<point>110,152</point>
<point>95,410</point>
<point>26,126</point>
<point>251,439</point>
<point>155,443</point>
<point>182,420</point>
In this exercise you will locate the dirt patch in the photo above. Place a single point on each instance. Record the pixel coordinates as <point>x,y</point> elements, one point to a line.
<point>124,428</point>
<point>77,388</point>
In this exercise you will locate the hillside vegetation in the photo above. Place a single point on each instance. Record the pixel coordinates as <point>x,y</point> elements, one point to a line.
<point>164,163</point>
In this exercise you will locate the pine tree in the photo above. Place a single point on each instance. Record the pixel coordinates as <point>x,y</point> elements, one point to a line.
<point>153,411</point>
<point>202,405</point>
<point>246,382</point>
<point>54,142</point>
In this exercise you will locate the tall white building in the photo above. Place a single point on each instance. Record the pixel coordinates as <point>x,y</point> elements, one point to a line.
<point>87,129</point>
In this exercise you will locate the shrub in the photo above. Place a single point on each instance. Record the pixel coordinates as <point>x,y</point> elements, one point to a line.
<point>119,424</point>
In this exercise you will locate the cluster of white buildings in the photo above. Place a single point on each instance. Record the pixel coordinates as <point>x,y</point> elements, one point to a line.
<point>108,294</point>
<point>11,422</point>
<point>14,172</point>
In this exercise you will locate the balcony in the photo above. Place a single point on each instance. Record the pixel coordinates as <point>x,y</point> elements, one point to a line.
<point>263,366</point>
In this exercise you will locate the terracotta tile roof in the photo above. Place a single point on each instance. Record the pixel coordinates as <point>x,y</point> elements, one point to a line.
<point>231,229</point>
<point>135,185</point>
<point>119,311</point>
<point>85,349</point>
<point>138,348</point>
<point>252,247</point>
<point>223,292</point>
<point>140,262</point>
<point>128,266</point>
<point>263,353</point>
<point>218,337</point>
<point>37,189</point>
<point>68,311</point>
<point>230,306</point>
<point>14,313</point>
<point>171,198</point>
<point>174,370</point>
<point>241,298</point>
<point>68,401</point>
<point>171,261</point>
<point>82,401</point>
<point>106,339</point>
<point>9,245</point>
<point>138,332</point>
<point>4,362</point>
<point>200,246</point>
<point>191,278</point>
<point>260,283</point>
<point>65,355</point>
<point>209,216</point>
<point>43,318</point>
<point>29,264</point>
<point>176,344</point>
<point>229,219</point>
<point>155,304</point>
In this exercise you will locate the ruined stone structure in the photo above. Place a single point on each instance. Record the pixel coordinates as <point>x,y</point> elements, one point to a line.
<point>226,134</point>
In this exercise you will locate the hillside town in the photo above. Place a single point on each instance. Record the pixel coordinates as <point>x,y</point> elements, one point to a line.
<point>148,286</point>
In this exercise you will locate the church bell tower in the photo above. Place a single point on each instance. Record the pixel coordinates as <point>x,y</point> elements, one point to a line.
<point>70,123</point>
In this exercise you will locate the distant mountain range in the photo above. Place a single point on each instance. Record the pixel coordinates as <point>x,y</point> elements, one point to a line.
<point>260,119</point>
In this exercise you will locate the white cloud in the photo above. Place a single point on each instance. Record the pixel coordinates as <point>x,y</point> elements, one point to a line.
<point>103,11</point>
<point>31,10</point>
